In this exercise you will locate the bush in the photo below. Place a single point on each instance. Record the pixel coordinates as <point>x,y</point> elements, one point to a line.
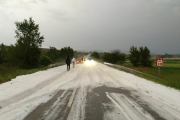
<point>7,67</point>
<point>2,53</point>
<point>114,57</point>
<point>66,51</point>
<point>140,57</point>
<point>95,55</point>
<point>45,60</point>
<point>134,56</point>
<point>53,53</point>
<point>145,57</point>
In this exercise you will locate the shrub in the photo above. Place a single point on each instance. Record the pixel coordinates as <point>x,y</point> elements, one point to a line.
<point>53,53</point>
<point>145,57</point>
<point>66,51</point>
<point>140,57</point>
<point>2,53</point>
<point>95,55</point>
<point>45,60</point>
<point>134,56</point>
<point>114,57</point>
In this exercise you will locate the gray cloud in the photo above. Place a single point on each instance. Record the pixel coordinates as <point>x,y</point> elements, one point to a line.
<point>58,14</point>
<point>100,25</point>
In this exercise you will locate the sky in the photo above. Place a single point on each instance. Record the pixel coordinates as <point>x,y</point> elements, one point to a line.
<point>102,25</point>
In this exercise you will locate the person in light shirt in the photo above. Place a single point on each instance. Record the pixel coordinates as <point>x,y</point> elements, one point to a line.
<point>73,61</point>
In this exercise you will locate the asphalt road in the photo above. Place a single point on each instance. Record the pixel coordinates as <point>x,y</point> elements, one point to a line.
<point>87,92</point>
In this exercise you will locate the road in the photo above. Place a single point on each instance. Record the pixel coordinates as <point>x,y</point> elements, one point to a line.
<point>87,92</point>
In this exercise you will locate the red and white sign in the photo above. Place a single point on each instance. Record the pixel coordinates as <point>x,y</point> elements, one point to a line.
<point>159,61</point>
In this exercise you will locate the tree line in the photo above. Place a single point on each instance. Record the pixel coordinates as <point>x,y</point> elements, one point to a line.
<point>26,52</point>
<point>138,57</point>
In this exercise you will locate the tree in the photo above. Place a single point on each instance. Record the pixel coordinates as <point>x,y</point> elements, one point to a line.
<point>66,51</point>
<point>95,55</point>
<point>134,56</point>
<point>45,60</point>
<point>107,57</point>
<point>28,43</point>
<point>117,56</point>
<point>3,53</point>
<point>53,53</point>
<point>145,57</point>
<point>114,57</point>
<point>140,57</point>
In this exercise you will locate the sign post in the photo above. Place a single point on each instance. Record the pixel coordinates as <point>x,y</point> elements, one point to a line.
<point>159,62</point>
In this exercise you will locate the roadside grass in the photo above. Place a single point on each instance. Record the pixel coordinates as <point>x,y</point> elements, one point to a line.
<point>169,72</point>
<point>6,76</point>
<point>58,61</point>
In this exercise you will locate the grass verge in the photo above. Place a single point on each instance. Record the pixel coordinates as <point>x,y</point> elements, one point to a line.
<point>169,72</point>
<point>6,76</point>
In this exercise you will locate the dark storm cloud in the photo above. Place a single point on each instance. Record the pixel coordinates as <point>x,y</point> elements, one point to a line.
<point>99,24</point>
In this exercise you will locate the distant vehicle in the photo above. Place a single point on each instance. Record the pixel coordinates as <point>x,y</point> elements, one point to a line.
<point>79,61</point>
<point>89,61</point>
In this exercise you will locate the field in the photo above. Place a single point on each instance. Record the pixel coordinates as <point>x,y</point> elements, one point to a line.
<point>169,72</point>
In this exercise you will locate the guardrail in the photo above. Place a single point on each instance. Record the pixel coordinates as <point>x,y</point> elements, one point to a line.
<point>130,70</point>
<point>56,64</point>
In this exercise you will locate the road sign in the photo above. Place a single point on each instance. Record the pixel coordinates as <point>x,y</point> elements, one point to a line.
<point>159,61</point>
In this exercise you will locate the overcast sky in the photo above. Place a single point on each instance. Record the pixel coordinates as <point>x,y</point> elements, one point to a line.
<point>97,24</point>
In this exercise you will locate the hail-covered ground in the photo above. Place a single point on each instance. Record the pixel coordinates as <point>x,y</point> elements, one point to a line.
<point>87,92</point>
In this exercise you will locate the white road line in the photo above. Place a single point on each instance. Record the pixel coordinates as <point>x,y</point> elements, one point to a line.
<point>72,97</point>
<point>121,109</point>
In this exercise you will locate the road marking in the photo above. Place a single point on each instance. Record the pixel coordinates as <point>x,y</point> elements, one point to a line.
<point>119,107</point>
<point>72,97</point>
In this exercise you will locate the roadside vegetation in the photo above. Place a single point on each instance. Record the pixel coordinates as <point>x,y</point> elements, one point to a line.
<point>115,56</point>
<point>26,56</point>
<point>140,60</point>
<point>140,57</point>
<point>95,55</point>
<point>169,72</point>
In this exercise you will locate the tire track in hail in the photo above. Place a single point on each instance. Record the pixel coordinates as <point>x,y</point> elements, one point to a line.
<point>140,102</point>
<point>34,98</point>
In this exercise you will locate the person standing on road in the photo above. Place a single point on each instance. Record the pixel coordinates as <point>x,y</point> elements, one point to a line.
<point>73,61</point>
<point>68,62</point>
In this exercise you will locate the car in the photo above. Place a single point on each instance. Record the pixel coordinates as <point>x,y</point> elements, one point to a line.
<point>79,61</point>
<point>89,61</point>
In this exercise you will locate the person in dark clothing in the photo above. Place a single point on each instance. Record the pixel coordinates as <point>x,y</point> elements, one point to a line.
<point>68,62</point>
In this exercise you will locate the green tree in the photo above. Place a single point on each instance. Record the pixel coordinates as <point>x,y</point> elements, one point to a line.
<point>114,57</point>
<point>53,53</point>
<point>28,42</point>
<point>95,55</point>
<point>145,57</point>
<point>134,56</point>
<point>3,53</point>
<point>66,51</point>
<point>45,60</point>
<point>117,56</point>
<point>107,57</point>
